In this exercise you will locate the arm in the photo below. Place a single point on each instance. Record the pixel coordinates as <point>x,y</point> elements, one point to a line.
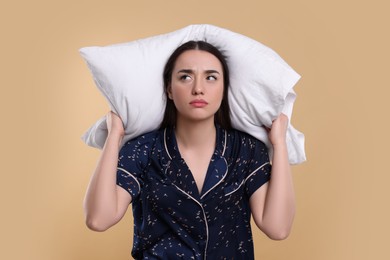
<point>106,203</point>
<point>273,204</point>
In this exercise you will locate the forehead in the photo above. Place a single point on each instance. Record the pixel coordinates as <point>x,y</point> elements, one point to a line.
<point>198,59</point>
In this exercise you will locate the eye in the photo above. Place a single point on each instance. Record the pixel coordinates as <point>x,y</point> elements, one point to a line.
<point>185,77</point>
<point>211,77</point>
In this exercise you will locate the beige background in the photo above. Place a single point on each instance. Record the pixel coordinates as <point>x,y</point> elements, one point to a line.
<point>48,99</point>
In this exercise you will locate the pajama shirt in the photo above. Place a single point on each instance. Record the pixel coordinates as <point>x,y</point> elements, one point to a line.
<point>172,219</point>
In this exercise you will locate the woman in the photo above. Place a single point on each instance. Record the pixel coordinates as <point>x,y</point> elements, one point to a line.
<point>195,182</point>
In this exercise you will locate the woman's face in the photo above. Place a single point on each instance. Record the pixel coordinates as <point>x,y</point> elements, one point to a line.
<point>196,86</point>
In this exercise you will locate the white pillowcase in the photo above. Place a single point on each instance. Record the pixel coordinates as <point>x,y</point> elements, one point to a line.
<point>129,75</point>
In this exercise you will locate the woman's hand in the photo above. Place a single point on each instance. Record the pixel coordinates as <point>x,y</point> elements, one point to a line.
<point>273,205</point>
<point>114,124</point>
<point>105,203</point>
<point>277,133</point>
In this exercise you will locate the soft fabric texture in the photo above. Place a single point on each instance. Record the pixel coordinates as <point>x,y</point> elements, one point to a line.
<point>129,75</point>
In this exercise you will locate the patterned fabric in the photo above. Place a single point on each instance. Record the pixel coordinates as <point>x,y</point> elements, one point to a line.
<point>171,219</point>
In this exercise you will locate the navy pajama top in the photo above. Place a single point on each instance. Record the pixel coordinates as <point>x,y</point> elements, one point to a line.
<point>171,219</point>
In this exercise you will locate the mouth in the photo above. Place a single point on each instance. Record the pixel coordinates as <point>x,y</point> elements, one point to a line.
<point>198,103</point>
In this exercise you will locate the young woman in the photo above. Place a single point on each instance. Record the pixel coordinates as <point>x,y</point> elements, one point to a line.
<point>194,183</point>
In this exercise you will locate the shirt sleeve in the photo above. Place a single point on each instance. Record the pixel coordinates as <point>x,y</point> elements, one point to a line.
<point>259,169</point>
<point>132,162</point>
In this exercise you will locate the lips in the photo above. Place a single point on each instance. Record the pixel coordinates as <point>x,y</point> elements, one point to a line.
<point>198,103</point>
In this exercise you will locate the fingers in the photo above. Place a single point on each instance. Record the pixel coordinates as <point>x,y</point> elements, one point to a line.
<point>114,123</point>
<point>278,131</point>
<point>282,117</point>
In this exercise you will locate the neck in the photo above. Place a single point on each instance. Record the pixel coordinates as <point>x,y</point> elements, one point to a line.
<point>195,134</point>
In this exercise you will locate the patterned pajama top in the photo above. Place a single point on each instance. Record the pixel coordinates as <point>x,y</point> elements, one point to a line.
<point>172,220</point>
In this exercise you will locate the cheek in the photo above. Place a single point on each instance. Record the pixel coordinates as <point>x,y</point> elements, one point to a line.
<point>220,92</point>
<point>175,93</point>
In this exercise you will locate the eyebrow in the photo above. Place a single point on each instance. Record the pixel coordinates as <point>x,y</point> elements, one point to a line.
<point>189,71</point>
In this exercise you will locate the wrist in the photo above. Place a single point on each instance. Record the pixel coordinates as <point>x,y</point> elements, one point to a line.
<point>116,132</point>
<point>115,136</point>
<point>282,144</point>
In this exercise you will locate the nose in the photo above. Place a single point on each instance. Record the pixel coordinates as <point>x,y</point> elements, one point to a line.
<point>198,88</point>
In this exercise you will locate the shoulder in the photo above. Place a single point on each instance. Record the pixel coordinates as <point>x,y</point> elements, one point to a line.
<point>142,143</point>
<point>145,139</point>
<point>137,151</point>
<point>240,138</point>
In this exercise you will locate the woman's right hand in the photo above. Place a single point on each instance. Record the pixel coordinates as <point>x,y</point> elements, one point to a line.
<point>114,124</point>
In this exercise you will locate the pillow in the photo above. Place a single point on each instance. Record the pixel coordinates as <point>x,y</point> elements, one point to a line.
<point>129,75</point>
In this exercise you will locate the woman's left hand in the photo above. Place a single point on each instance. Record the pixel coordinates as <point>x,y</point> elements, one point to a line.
<point>273,204</point>
<point>277,133</point>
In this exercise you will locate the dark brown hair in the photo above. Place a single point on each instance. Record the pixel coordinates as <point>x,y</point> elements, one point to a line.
<point>222,116</point>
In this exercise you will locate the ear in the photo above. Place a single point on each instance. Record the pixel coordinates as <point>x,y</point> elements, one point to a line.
<point>169,90</point>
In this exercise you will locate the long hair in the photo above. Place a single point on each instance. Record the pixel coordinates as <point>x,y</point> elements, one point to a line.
<point>222,116</point>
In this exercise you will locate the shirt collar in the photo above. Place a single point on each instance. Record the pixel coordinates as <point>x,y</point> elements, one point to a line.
<point>172,149</point>
<point>217,169</point>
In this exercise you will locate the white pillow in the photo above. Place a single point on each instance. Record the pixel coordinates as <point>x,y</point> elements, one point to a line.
<point>129,75</point>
